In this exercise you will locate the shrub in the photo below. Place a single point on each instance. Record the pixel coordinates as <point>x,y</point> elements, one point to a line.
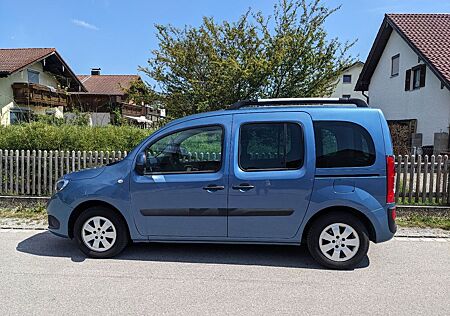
<point>39,135</point>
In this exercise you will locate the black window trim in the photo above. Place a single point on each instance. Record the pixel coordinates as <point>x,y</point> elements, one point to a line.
<point>348,82</point>
<point>392,64</point>
<point>271,122</point>
<point>181,130</point>
<point>346,167</point>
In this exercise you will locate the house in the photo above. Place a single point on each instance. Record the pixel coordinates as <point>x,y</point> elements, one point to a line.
<point>345,85</point>
<point>407,74</point>
<point>106,96</point>
<point>34,81</point>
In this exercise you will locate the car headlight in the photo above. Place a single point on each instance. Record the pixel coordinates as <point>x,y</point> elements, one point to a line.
<point>61,184</point>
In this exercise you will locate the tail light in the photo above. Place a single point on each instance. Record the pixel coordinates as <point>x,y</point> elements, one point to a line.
<point>390,178</point>
<point>394,213</point>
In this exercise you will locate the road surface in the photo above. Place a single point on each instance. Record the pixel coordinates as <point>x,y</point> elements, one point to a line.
<point>41,273</point>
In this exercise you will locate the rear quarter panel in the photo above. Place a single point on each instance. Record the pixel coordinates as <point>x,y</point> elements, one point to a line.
<point>360,188</point>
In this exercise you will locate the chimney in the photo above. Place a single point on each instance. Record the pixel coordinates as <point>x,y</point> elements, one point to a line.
<point>95,71</point>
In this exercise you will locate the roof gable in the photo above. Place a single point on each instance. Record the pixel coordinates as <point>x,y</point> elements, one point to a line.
<point>15,59</point>
<point>428,35</point>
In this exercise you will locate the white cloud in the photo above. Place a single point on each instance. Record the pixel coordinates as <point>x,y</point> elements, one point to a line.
<point>85,24</point>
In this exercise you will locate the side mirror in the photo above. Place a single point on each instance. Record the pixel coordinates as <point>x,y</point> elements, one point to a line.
<point>141,163</point>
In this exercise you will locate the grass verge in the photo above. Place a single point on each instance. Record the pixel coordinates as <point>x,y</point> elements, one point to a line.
<point>34,213</point>
<point>429,221</point>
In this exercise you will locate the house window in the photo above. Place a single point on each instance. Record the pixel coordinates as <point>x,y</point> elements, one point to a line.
<point>417,75</point>
<point>18,115</point>
<point>33,76</point>
<point>395,65</point>
<point>416,78</point>
<point>346,96</point>
<point>347,78</point>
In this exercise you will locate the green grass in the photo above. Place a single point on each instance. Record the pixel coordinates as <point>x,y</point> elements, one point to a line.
<point>423,221</point>
<point>35,213</point>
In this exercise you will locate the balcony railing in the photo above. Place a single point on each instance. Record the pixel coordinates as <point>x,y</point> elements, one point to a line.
<point>38,95</point>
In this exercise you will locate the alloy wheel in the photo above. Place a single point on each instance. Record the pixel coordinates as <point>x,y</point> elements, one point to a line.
<point>339,242</point>
<point>99,234</point>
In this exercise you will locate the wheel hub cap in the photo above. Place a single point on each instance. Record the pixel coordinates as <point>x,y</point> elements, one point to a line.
<point>339,242</point>
<point>98,234</point>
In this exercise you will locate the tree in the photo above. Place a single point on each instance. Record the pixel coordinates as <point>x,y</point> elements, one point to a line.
<point>287,55</point>
<point>140,93</point>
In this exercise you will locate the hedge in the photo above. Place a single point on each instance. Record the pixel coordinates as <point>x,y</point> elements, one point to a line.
<point>38,135</point>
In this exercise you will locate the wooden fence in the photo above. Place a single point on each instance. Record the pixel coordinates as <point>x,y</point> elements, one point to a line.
<point>419,179</point>
<point>35,172</point>
<point>422,179</point>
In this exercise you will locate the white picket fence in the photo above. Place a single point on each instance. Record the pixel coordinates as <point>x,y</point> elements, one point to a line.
<point>419,179</point>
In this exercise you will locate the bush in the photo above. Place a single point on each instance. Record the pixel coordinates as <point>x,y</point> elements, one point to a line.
<point>39,135</point>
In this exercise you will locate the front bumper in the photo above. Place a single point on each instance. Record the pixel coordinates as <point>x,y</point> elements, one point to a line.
<point>58,215</point>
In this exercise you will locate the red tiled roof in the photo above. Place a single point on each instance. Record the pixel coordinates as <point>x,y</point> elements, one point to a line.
<point>430,34</point>
<point>107,84</point>
<point>427,34</point>
<point>14,59</point>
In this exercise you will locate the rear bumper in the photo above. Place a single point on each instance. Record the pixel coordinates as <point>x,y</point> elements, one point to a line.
<point>383,226</point>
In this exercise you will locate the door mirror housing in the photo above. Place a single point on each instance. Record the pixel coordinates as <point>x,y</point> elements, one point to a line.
<point>141,163</point>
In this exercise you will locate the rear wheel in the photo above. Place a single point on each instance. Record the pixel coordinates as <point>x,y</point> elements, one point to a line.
<point>338,240</point>
<point>100,233</point>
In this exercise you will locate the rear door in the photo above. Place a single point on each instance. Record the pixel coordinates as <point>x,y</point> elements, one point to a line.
<point>271,174</point>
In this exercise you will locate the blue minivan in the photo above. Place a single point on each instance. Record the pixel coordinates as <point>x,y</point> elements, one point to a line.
<point>318,171</point>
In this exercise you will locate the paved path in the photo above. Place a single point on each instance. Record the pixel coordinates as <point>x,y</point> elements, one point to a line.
<point>40,273</point>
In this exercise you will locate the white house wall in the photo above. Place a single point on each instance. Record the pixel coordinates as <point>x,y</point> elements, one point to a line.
<point>342,89</point>
<point>430,105</point>
<point>6,91</point>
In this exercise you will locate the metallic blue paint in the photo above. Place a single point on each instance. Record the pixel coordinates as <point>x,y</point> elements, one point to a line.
<point>307,190</point>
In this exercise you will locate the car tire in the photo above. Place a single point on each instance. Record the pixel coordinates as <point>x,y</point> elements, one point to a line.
<point>338,240</point>
<point>100,233</point>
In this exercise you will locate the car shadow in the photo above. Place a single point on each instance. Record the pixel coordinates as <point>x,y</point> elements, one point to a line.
<point>47,245</point>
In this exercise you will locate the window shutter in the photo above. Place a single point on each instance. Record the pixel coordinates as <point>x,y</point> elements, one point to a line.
<point>423,69</point>
<point>408,80</point>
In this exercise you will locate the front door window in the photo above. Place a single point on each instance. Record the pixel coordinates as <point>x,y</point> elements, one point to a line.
<point>195,150</point>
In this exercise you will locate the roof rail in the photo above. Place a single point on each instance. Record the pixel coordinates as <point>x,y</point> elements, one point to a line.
<point>297,101</point>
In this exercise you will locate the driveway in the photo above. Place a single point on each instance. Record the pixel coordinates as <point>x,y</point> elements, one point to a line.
<point>41,273</point>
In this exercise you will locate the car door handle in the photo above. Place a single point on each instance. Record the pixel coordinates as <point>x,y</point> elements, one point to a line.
<point>213,187</point>
<point>243,187</point>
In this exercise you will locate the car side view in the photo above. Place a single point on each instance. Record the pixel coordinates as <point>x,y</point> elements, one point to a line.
<point>318,171</point>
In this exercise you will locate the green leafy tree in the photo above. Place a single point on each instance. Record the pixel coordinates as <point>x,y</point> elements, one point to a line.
<point>140,93</point>
<point>287,54</point>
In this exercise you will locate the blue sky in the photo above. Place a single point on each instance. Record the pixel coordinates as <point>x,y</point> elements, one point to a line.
<point>119,35</point>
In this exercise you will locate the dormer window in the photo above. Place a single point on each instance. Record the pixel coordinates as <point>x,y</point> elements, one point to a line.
<point>33,76</point>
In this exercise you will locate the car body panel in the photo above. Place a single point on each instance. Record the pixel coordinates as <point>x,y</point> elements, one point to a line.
<point>277,193</point>
<point>361,189</point>
<point>159,201</point>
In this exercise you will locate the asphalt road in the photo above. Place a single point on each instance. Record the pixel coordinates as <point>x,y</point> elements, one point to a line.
<point>40,273</point>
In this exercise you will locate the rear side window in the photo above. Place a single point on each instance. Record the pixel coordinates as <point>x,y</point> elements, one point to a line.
<point>343,144</point>
<point>270,146</point>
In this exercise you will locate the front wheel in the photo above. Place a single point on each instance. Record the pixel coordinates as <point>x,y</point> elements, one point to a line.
<point>338,241</point>
<point>100,233</point>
